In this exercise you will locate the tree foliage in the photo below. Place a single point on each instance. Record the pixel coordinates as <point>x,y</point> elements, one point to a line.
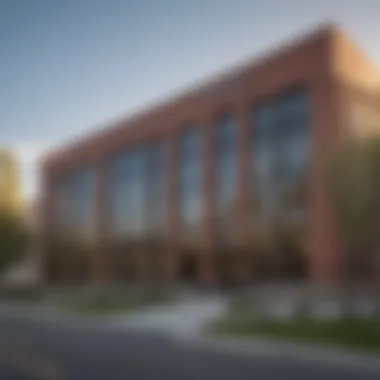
<point>355,189</point>
<point>355,181</point>
<point>13,240</point>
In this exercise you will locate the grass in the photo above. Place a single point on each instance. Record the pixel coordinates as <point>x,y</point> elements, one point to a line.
<point>23,295</point>
<point>91,304</point>
<point>111,304</point>
<point>351,332</point>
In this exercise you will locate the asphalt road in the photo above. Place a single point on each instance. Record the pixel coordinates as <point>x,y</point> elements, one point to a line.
<point>31,349</point>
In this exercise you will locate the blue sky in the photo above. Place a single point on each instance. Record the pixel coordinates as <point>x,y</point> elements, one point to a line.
<point>67,67</point>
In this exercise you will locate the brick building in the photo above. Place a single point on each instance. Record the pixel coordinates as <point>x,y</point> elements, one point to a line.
<point>222,183</point>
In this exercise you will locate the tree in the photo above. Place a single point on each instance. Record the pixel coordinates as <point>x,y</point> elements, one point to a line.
<point>13,240</point>
<point>355,190</point>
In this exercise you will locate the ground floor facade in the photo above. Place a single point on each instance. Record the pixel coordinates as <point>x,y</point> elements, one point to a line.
<point>225,184</point>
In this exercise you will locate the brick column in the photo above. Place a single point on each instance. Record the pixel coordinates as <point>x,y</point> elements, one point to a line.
<point>244,188</point>
<point>101,262</point>
<point>172,227</point>
<point>324,246</point>
<point>207,260</point>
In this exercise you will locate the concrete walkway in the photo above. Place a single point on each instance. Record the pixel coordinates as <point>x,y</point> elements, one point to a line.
<point>187,316</point>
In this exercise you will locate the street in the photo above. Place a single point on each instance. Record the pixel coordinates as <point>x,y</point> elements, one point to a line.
<point>33,349</point>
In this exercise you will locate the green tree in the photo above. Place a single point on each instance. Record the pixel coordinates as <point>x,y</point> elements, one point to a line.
<point>355,180</point>
<point>13,240</point>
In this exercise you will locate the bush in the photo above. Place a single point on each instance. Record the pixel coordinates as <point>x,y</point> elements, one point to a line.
<point>22,294</point>
<point>13,240</point>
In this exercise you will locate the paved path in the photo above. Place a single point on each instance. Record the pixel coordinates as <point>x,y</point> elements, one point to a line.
<point>185,317</point>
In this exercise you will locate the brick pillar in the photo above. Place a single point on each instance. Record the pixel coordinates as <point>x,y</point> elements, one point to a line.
<point>244,190</point>
<point>100,262</point>
<point>324,248</point>
<point>208,273</point>
<point>172,227</point>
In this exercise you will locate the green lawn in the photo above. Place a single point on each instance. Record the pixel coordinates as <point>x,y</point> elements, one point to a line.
<point>358,333</point>
<point>102,305</point>
<point>95,304</point>
<point>22,295</point>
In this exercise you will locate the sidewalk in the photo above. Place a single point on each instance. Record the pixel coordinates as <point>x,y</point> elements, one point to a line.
<point>187,317</point>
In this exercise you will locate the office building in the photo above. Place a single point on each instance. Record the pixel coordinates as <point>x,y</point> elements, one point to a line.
<point>223,183</point>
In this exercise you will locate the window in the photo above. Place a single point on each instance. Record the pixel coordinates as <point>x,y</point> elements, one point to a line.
<point>75,204</point>
<point>190,177</point>
<point>156,188</point>
<point>226,159</point>
<point>280,143</point>
<point>126,193</point>
<point>137,192</point>
<point>280,152</point>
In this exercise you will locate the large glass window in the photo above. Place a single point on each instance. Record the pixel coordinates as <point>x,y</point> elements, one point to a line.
<point>136,207</point>
<point>293,160</point>
<point>137,192</point>
<point>281,153</point>
<point>226,158</point>
<point>75,205</point>
<point>264,155</point>
<point>190,176</point>
<point>117,195</point>
<point>126,194</point>
<point>156,188</point>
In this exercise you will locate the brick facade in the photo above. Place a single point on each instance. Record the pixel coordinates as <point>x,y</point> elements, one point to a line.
<point>325,62</point>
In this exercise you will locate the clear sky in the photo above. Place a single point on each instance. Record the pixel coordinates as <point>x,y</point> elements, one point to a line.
<point>68,66</point>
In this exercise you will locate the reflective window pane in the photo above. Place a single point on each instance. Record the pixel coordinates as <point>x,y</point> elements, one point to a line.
<point>75,205</point>
<point>156,188</point>
<point>137,192</point>
<point>226,159</point>
<point>190,177</point>
<point>126,194</point>
<point>280,153</point>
